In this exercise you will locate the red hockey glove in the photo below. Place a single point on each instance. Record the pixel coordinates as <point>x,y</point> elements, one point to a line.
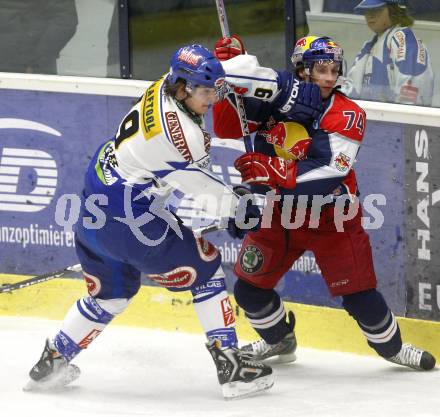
<point>257,168</point>
<point>226,48</point>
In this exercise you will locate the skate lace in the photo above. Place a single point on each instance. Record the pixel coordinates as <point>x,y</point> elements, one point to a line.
<point>249,362</point>
<point>409,355</point>
<point>259,347</point>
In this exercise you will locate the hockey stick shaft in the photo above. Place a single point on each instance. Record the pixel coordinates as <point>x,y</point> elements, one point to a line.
<point>223,19</point>
<point>39,279</point>
<point>74,268</point>
<point>205,230</point>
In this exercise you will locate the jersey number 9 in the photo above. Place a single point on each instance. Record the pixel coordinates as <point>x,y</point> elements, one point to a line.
<point>128,127</point>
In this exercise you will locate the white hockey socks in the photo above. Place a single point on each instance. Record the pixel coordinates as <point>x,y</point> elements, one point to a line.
<point>85,320</point>
<point>214,310</point>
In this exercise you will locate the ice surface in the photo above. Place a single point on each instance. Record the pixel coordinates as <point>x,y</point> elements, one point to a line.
<point>140,372</point>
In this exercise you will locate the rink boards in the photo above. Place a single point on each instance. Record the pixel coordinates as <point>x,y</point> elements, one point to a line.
<point>51,126</point>
<point>153,307</point>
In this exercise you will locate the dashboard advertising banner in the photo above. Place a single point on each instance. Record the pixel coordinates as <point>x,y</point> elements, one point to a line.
<point>47,139</point>
<point>423,222</point>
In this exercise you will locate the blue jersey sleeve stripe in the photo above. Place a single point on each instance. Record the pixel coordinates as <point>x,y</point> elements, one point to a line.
<point>273,80</point>
<point>162,113</point>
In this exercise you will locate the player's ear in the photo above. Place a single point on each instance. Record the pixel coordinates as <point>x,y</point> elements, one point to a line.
<point>302,74</point>
<point>181,93</point>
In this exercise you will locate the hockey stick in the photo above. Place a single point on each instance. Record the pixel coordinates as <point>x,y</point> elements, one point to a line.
<point>39,278</point>
<point>205,230</point>
<point>76,268</point>
<point>223,19</point>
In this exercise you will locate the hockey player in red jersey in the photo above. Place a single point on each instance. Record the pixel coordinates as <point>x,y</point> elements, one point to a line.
<point>321,169</point>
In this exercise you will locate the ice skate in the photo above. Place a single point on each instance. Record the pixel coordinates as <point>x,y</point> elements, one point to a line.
<point>239,377</point>
<point>413,358</point>
<point>51,372</point>
<point>281,352</point>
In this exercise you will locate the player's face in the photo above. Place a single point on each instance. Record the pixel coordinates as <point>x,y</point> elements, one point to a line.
<point>325,75</point>
<point>201,98</point>
<point>378,19</point>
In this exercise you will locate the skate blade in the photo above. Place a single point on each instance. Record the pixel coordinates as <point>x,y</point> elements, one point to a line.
<point>281,359</point>
<point>239,389</point>
<point>34,386</point>
<point>56,383</point>
<point>272,360</point>
<point>38,386</point>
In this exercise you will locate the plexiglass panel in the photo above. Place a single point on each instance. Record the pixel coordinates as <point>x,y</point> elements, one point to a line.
<point>159,27</point>
<point>65,37</point>
<point>390,47</point>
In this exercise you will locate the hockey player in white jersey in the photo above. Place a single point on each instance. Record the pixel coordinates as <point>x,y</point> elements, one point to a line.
<point>161,145</point>
<point>394,66</point>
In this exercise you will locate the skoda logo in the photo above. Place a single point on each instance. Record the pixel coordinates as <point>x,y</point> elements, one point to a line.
<point>251,259</point>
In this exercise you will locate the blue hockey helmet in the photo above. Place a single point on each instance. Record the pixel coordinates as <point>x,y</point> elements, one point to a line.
<point>312,49</point>
<point>373,4</point>
<point>197,66</point>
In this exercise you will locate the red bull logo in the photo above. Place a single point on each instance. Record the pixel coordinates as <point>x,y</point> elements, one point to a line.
<point>342,162</point>
<point>301,42</point>
<point>290,139</point>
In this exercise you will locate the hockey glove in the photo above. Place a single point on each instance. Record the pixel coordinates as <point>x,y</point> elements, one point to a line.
<point>227,48</point>
<point>257,168</point>
<point>251,212</point>
<point>299,101</point>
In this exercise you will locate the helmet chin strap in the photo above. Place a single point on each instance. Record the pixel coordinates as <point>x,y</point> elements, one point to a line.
<point>196,118</point>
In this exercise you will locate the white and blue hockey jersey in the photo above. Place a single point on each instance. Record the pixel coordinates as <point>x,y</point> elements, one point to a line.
<point>392,67</point>
<point>160,147</point>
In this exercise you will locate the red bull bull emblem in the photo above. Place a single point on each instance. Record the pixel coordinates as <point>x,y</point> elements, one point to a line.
<point>276,135</point>
<point>286,137</point>
<point>301,42</point>
<point>299,150</point>
<point>342,162</point>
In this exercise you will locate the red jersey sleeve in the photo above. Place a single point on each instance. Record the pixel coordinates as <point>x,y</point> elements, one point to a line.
<point>345,117</point>
<point>226,121</point>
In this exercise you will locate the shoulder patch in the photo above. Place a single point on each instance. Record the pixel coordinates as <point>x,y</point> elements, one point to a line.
<point>342,162</point>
